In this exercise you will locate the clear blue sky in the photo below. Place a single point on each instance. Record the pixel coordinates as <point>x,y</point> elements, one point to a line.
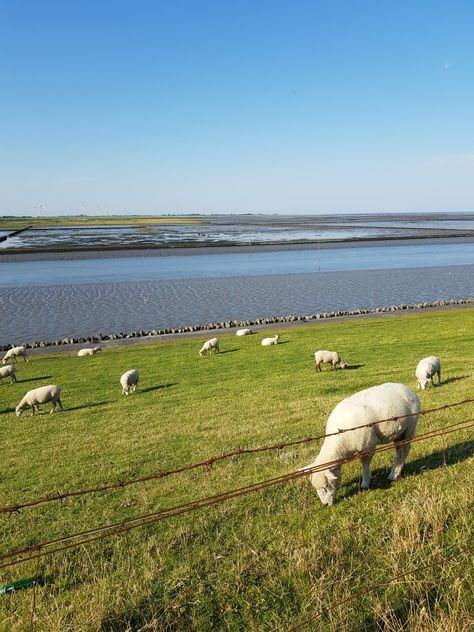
<point>236,106</point>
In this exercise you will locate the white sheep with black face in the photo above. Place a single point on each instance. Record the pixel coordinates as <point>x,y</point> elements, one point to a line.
<point>12,354</point>
<point>41,395</point>
<point>395,402</point>
<point>209,346</point>
<point>426,369</point>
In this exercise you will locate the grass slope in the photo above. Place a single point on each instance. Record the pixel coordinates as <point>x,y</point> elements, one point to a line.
<point>267,560</point>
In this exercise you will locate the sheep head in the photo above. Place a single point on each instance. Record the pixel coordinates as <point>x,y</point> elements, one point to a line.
<point>19,409</point>
<point>326,484</point>
<point>422,383</point>
<point>343,364</point>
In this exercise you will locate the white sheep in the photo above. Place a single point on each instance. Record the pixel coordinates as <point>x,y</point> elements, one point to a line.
<point>88,352</point>
<point>209,345</point>
<point>8,371</point>
<point>396,402</point>
<point>129,381</point>
<point>328,357</point>
<point>266,342</point>
<point>13,353</point>
<point>41,395</point>
<point>426,369</point>
<point>243,332</point>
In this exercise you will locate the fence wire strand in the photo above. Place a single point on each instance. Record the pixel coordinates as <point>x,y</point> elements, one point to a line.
<point>35,551</point>
<point>120,484</point>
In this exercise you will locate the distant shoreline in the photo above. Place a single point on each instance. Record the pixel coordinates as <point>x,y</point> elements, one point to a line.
<point>207,249</point>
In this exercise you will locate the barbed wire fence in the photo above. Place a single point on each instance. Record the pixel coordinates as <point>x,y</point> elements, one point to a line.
<point>36,552</point>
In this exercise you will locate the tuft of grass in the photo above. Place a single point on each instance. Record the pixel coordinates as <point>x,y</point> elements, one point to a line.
<point>269,560</point>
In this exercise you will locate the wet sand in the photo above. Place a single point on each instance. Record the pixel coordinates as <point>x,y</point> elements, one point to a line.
<point>209,250</point>
<point>54,312</point>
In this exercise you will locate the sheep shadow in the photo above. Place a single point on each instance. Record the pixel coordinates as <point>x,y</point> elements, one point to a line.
<point>353,367</point>
<point>227,351</point>
<point>6,411</point>
<point>94,405</point>
<point>441,458</point>
<point>34,379</point>
<point>154,388</point>
<point>451,380</point>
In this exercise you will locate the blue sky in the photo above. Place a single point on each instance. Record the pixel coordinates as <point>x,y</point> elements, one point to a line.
<point>236,106</point>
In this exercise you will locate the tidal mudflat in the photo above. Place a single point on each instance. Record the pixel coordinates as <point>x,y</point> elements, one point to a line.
<point>55,311</point>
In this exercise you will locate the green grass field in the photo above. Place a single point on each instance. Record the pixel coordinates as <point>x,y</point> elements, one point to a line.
<point>16,223</point>
<point>268,560</point>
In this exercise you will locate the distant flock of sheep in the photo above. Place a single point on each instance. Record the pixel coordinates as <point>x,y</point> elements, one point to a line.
<point>394,402</point>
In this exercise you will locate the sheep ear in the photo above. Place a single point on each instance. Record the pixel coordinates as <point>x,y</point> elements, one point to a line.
<point>331,476</point>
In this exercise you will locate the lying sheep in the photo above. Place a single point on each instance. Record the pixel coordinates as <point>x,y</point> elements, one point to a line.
<point>328,357</point>
<point>266,342</point>
<point>8,371</point>
<point>88,352</point>
<point>37,396</point>
<point>129,381</point>
<point>209,345</point>
<point>386,401</point>
<point>243,332</point>
<point>426,369</point>
<point>12,354</point>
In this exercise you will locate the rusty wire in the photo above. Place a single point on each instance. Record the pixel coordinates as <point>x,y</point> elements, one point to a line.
<point>35,551</point>
<point>17,507</point>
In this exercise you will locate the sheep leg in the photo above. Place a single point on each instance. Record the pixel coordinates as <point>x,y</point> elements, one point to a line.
<point>401,454</point>
<point>13,378</point>
<point>366,474</point>
<point>439,377</point>
<point>60,404</point>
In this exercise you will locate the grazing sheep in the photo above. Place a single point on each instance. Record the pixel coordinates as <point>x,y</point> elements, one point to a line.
<point>88,352</point>
<point>37,396</point>
<point>425,370</point>
<point>209,345</point>
<point>328,357</point>
<point>266,342</point>
<point>243,332</point>
<point>12,354</point>
<point>396,402</point>
<point>129,381</point>
<point>8,371</point>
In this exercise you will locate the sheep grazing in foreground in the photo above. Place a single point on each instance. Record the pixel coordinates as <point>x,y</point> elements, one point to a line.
<point>243,332</point>
<point>328,357</point>
<point>88,352</point>
<point>267,342</point>
<point>129,381</point>
<point>209,345</point>
<point>426,369</point>
<point>37,396</point>
<point>395,402</point>
<point>13,353</point>
<point>8,371</point>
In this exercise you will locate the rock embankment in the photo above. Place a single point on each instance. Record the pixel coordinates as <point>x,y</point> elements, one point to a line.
<point>228,324</point>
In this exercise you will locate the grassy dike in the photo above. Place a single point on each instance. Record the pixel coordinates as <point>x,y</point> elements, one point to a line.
<point>260,562</point>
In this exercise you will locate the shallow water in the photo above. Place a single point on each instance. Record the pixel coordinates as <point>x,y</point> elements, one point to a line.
<point>22,274</point>
<point>55,311</point>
